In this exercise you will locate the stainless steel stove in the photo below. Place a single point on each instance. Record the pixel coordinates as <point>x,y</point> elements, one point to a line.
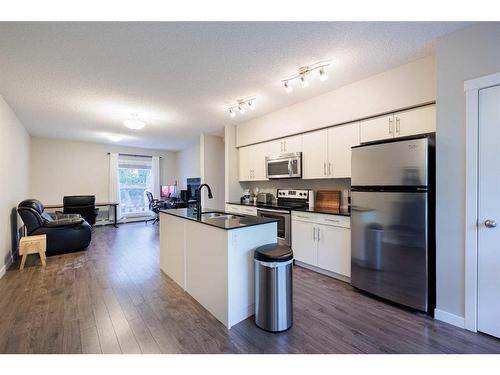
<point>287,199</point>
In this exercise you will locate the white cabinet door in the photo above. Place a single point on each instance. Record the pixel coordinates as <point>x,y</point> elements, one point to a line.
<point>304,245</point>
<point>334,249</point>
<point>245,157</point>
<point>340,140</point>
<point>315,154</point>
<point>258,161</point>
<point>292,144</point>
<point>415,121</point>
<point>276,147</point>
<point>377,128</point>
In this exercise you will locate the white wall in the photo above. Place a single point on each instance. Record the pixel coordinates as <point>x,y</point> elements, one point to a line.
<point>463,55</point>
<point>14,167</point>
<point>212,170</point>
<point>408,85</point>
<point>233,190</point>
<point>62,167</point>
<point>187,165</point>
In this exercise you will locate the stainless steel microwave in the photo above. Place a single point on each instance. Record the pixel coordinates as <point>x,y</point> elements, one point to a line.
<point>284,165</point>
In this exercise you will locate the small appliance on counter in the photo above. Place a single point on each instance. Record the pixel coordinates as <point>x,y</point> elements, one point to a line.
<point>246,197</point>
<point>328,200</point>
<point>265,198</point>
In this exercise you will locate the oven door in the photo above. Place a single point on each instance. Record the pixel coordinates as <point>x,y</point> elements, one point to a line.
<point>284,223</point>
<point>284,166</point>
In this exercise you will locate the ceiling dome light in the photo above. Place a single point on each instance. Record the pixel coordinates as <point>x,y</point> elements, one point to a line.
<point>303,81</point>
<point>251,104</point>
<point>288,88</point>
<point>231,112</point>
<point>134,123</point>
<point>322,74</point>
<point>241,109</point>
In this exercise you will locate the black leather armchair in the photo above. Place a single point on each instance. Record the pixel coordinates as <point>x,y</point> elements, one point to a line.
<point>65,233</point>
<point>83,205</point>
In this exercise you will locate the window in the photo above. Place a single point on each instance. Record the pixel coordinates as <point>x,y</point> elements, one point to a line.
<point>135,178</point>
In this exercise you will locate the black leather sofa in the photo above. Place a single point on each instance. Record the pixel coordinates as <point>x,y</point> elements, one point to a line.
<point>65,233</point>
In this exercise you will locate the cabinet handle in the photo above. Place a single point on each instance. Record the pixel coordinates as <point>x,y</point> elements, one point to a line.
<point>284,146</point>
<point>329,168</point>
<point>318,234</point>
<point>390,126</point>
<point>324,168</point>
<point>398,127</point>
<point>314,234</point>
<point>281,146</point>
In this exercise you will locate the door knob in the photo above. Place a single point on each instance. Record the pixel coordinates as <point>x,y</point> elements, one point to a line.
<point>490,223</point>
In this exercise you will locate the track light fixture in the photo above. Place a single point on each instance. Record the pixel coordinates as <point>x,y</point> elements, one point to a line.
<point>241,106</point>
<point>302,74</point>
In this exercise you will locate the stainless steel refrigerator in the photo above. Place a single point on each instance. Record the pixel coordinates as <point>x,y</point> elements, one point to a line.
<point>392,221</point>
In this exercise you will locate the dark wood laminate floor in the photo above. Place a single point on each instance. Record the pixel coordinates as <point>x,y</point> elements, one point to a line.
<point>113,298</point>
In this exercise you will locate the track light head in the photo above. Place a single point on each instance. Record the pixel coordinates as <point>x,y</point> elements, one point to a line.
<point>251,104</point>
<point>241,109</point>
<point>303,81</point>
<point>288,87</point>
<point>231,112</point>
<point>322,74</point>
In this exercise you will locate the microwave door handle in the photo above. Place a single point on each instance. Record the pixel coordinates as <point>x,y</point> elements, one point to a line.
<point>289,167</point>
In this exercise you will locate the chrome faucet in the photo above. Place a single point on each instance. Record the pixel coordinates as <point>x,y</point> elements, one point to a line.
<point>198,199</point>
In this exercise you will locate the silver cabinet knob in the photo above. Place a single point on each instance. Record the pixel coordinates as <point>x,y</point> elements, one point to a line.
<point>490,223</point>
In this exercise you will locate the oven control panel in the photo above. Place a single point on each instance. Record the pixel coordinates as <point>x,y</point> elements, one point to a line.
<point>295,194</point>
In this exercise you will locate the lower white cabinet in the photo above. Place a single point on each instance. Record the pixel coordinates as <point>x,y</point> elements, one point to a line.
<point>322,241</point>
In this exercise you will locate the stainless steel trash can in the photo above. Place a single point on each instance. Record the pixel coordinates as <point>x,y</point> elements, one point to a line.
<point>273,287</point>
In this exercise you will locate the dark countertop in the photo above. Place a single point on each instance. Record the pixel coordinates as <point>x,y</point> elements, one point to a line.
<point>313,210</point>
<point>237,221</point>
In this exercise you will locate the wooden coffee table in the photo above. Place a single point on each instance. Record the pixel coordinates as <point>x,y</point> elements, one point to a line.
<point>33,245</point>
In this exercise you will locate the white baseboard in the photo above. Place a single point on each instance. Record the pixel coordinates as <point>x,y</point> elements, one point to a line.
<point>6,266</point>
<point>449,318</point>
<point>324,272</point>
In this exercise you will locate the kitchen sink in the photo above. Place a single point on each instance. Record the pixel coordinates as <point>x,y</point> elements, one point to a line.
<point>218,215</point>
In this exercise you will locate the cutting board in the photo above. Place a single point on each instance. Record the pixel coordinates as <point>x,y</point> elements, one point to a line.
<point>327,200</point>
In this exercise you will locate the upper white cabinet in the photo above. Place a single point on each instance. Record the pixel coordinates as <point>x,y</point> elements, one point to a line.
<point>327,153</point>
<point>252,162</point>
<point>377,128</point>
<point>315,154</point>
<point>415,121</point>
<point>340,140</point>
<point>285,145</point>
<point>400,124</point>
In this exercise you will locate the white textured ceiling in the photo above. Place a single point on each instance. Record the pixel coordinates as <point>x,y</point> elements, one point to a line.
<point>80,80</point>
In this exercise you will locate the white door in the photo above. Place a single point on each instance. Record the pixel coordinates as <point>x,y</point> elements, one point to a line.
<point>304,243</point>
<point>340,140</point>
<point>377,128</point>
<point>415,121</point>
<point>489,212</point>
<point>315,154</point>
<point>334,249</point>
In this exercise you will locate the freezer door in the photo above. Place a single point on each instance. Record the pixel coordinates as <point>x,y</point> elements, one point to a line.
<point>389,247</point>
<point>402,163</point>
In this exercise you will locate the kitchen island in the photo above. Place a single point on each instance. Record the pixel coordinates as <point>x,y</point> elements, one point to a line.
<point>211,258</point>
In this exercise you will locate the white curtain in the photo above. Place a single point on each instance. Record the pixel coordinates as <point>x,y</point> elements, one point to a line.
<point>114,183</point>
<point>155,169</point>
